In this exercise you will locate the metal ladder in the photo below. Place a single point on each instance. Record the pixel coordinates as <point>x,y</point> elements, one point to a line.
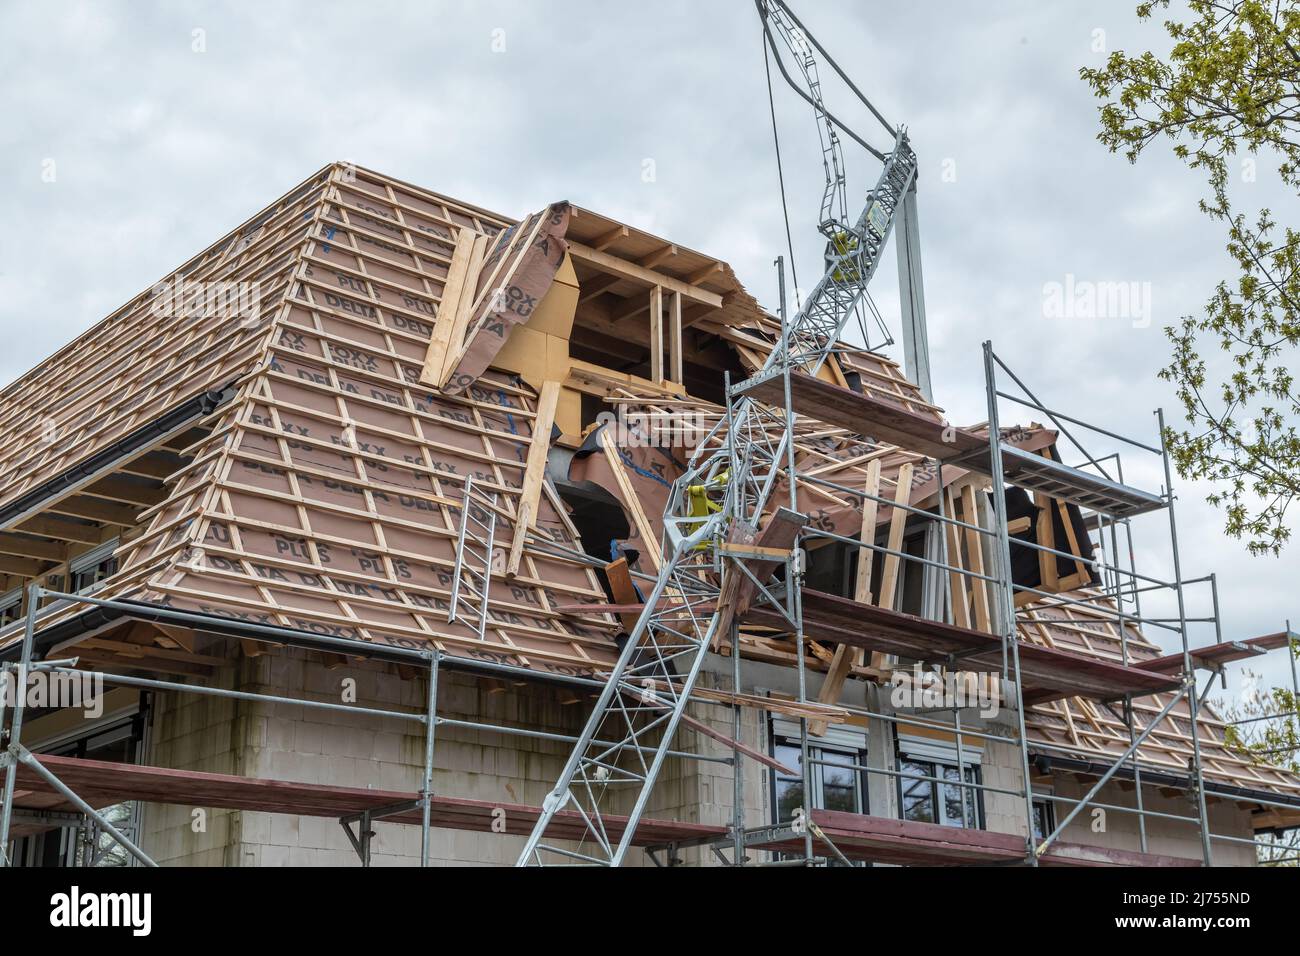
<point>471,580</point>
<point>627,737</point>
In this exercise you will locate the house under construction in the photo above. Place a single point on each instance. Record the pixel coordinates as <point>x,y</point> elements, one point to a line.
<point>402,532</point>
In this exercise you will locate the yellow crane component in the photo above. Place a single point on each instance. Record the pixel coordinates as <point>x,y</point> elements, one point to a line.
<point>701,501</point>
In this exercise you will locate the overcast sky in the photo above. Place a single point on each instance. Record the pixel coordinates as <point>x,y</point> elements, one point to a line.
<point>165,125</point>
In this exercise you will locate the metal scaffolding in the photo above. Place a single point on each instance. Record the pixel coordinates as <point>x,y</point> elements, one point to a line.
<point>736,540</point>
<point>816,847</point>
<point>1114,504</point>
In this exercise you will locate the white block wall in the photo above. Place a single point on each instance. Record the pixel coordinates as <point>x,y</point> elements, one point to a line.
<point>296,743</point>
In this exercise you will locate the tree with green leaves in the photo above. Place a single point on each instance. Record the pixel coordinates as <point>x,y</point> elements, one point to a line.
<point>1263,727</point>
<point>1226,96</point>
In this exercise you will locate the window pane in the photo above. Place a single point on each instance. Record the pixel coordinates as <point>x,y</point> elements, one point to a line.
<point>839,783</point>
<point>958,802</point>
<point>789,797</point>
<point>789,789</point>
<point>918,795</point>
<point>952,809</point>
<point>1044,822</point>
<point>789,755</point>
<point>972,799</point>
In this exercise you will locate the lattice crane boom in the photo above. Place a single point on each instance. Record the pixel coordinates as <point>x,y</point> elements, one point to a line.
<point>606,782</point>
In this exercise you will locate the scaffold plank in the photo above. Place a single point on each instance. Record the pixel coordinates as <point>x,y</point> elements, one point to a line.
<point>1216,655</point>
<point>103,783</point>
<point>906,842</point>
<point>1049,673</point>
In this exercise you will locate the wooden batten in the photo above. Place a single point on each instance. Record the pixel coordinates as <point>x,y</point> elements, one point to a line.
<point>534,473</point>
<point>460,285</point>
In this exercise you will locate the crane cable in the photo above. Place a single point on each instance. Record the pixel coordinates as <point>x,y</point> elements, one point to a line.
<point>780,64</point>
<point>836,67</point>
<point>780,171</point>
<point>767,42</point>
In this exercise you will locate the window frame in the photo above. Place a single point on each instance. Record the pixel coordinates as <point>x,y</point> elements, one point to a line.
<point>852,744</point>
<point>940,757</point>
<point>94,559</point>
<point>1043,798</point>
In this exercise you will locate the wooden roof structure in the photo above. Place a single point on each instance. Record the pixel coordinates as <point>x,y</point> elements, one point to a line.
<point>1073,653</point>
<point>285,461</point>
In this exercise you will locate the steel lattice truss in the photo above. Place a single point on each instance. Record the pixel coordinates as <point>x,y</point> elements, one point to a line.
<point>835,211</point>
<point>618,756</point>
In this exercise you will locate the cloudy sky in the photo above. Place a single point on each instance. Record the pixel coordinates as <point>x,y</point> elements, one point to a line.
<point>162,126</point>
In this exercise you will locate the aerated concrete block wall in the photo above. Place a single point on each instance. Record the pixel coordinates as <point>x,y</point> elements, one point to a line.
<point>307,745</point>
<point>296,743</point>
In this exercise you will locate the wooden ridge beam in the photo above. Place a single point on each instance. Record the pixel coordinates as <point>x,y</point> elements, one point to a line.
<point>625,269</point>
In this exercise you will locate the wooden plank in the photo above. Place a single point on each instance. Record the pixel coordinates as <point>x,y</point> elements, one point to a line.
<point>867,534</point>
<point>975,553</point>
<point>630,500</point>
<point>444,324</point>
<point>1049,673</point>
<point>893,564</point>
<point>52,526</point>
<point>534,473</point>
<point>848,657</point>
<point>657,335</point>
<point>118,489</point>
<point>1081,574</point>
<point>608,238</point>
<point>897,525</point>
<point>908,842</point>
<point>464,308</point>
<point>753,550</point>
<point>620,584</point>
<point>1045,535</point>
<point>956,580</point>
<point>1217,654</point>
<point>675,364</point>
<point>778,537</point>
<point>12,544</point>
<point>872,417</point>
<point>103,783</point>
<point>658,256</point>
<point>93,509</point>
<point>22,567</point>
